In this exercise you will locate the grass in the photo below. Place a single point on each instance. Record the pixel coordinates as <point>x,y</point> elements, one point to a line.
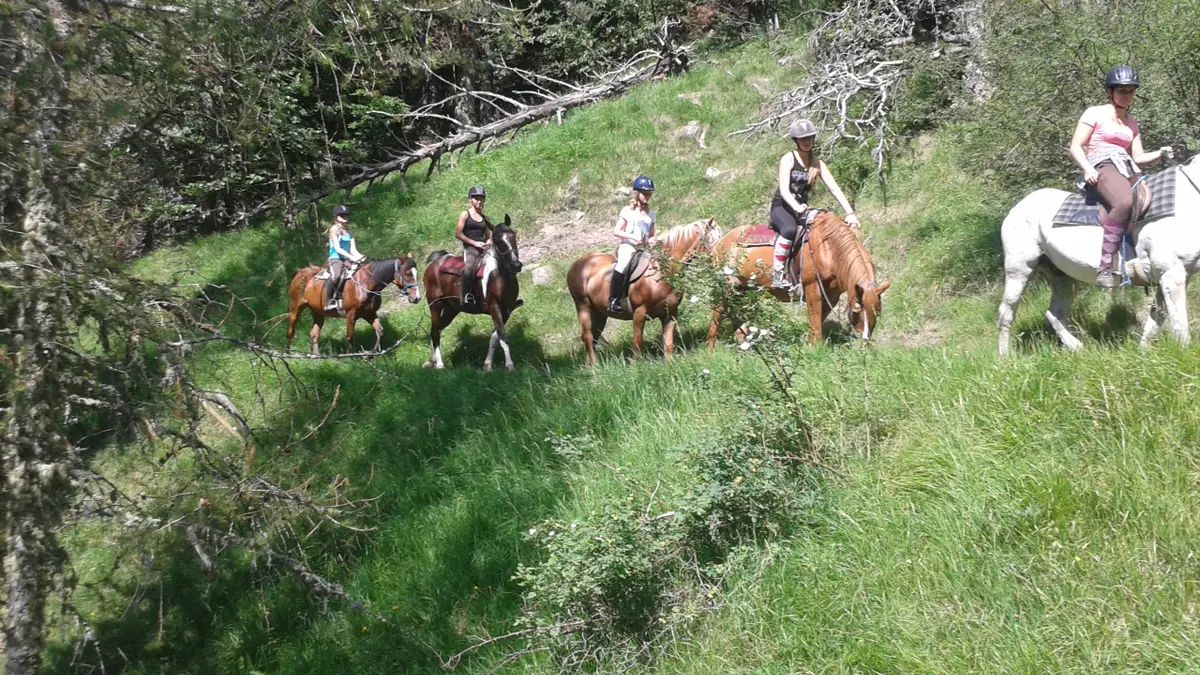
<point>1025,515</point>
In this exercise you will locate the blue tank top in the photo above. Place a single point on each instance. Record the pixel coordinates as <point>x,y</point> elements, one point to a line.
<point>344,242</point>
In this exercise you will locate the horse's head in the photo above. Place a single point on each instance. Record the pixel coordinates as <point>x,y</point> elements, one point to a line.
<point>504,245</point>
<point>865,307</point>
<point>681,241</point>
<point>404,275</point>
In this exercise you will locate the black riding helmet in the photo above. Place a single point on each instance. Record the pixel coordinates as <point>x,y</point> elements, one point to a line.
<point>341,210</point>
<point>1121,76</point>
<point>476,191</point>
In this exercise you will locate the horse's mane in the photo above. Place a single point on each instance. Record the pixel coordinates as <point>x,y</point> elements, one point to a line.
<point>381,270</point>
<point>689,233</point>
<point>850,259</point>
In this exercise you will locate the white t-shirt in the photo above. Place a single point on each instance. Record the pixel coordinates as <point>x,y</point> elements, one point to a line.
<point>641,222</point>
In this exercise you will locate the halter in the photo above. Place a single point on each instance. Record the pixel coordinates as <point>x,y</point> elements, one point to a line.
<point>404,284</point>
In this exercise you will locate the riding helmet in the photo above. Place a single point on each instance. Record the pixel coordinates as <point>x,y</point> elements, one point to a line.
<point>341,210</point>
<point>476,191</point>
<point>802,128</point>
<point>1121,76</point>
<point>643,184</point>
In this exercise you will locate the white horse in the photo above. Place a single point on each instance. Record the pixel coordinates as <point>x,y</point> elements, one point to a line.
<point>1168,253</point>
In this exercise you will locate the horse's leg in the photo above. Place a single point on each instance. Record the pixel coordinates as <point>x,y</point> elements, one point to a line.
<point>713,327</point>
<point>435,338</point>
<point>668,330</point>
<point>1174,291</point>
<point>378,326</point>
<point>599,321</point>
<point>314,333</point>
<point>498,335</point>
<point>492,340</point>
<point>587,334</point>
<point>639,325</point>
<point>1154,318</point>
<point>1062,292</point>
<point>816,313</point>
<point>295,309</point>
<point>351,317</point>
<point>1016,277</point>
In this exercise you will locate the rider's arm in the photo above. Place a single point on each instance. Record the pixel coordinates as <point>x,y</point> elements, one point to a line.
<point>458,232</point>
<point>652,236</point>
<point>354,253</point>
<point>1079,140</point>
<point>1139,154</point>
<point>836,191</point>
<point>785,189</point>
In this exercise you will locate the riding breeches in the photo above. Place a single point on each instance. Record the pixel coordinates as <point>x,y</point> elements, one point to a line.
<point>624,256</point>
<point>785,221</point>
<point>1115,193</point>
<point>336,267</point>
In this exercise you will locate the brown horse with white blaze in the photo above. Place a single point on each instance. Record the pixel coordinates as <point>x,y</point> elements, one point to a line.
<point>443,288</point>
<point>832,262</point>
<point>649,296</point>
<point>361,296</point>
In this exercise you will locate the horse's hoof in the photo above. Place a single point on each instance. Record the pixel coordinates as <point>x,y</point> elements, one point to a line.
<point>487,368</point>
<point>510,368</point>
<point>427,364</point>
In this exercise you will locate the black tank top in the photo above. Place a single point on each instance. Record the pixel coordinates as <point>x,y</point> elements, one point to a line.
<point>476,230</point>
<point>799,182</point>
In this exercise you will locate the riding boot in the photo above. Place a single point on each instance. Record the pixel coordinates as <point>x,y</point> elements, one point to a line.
<point>331,295</point>
<point>468,288</point>
<point>1113,231</point>
<point>616,291</point>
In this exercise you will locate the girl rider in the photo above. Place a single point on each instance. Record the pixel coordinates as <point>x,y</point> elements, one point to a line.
<point>474,230</point>
<point>1108,147</point>
<point>341,249</point>
<point>635,227</point>
<point>798,170</point>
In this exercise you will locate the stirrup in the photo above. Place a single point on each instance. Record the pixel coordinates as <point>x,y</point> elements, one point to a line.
<point>614,306</point>
<point>1104,280</point>
<point>468,299</point>
<point>779,280</point>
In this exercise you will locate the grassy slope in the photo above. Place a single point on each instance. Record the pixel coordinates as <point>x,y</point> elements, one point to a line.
<point>1034,514</point>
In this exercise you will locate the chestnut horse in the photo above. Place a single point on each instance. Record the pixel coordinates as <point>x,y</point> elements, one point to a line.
<point>443,284</point>
<point>834,262</point>
<point>589,277</point>
<point>361,296</point>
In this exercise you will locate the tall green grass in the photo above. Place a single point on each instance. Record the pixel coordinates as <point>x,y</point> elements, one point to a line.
<point>1025,515</point>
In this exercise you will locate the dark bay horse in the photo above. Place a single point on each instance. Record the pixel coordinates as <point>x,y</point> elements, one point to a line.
<point>443,288</point>
<point>361,296</point>
<point>833,261</point>
<point>589,277</point>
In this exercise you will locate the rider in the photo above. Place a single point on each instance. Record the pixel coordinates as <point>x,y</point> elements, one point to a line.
<point>798,170</point>
<point>635,227</point>
<point>1108,147</point>
<point>341,249</point>
<point>474,231</point>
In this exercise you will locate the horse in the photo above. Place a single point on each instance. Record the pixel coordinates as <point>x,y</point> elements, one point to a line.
<point>650,295</point>
<point>361,296</point>
<point>443,283</point>
<point>833,261</point>
<point>1168,254</point>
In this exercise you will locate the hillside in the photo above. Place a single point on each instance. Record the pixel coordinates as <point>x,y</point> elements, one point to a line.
<point>963,513</point>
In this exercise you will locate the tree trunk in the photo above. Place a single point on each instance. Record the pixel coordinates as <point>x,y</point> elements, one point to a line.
<point>35,451</point>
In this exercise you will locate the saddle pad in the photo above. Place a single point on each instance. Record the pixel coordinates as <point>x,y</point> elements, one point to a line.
<point>1079,209</point>
<point>758,235</point>
<point>454,265</point>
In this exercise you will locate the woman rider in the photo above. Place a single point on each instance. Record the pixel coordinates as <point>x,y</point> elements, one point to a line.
<point>798,170</point>
<point>635,227</point>
<point>341,249</point>
<point>474,231</point>
<point>1108,147</point>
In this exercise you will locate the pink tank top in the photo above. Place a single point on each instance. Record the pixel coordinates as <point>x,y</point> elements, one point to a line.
<point>1107,132</point>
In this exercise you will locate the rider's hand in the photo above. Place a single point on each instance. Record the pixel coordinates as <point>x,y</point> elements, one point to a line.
<point>803,207</point>
<point>1167,151</point>
<point>652,241</point>
<point>1090,175</point>
<point>852,221</point>
<point>478,245</point>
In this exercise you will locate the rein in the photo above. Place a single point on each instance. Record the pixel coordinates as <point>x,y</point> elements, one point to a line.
<point>405,285</point>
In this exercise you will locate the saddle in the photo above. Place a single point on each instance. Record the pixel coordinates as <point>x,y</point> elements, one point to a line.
<point>638,264</point>
<point>454,265</point>
<point>325,272</point>
<point>1154,198</point>
<point>757,235</point>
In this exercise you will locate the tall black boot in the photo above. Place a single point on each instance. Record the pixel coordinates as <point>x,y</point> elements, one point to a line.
<point>616,291</point>
<point>331,295</point>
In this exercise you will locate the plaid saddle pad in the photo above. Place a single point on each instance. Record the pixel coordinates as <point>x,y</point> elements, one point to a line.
<point>1083,209</point>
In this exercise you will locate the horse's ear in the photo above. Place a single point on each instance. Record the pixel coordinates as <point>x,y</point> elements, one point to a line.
<point>507,221</point>
<point>883,285</point>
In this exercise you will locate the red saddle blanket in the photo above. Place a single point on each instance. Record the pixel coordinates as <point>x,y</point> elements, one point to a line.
<point>758,235</point>
<point>454,265</point>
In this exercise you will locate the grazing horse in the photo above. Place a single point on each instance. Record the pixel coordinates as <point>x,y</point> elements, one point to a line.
<point>589,277</point>
<point>361,296</point>
<point>1167,255</point>
<point>443,287</point>
<point>831,261</point>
